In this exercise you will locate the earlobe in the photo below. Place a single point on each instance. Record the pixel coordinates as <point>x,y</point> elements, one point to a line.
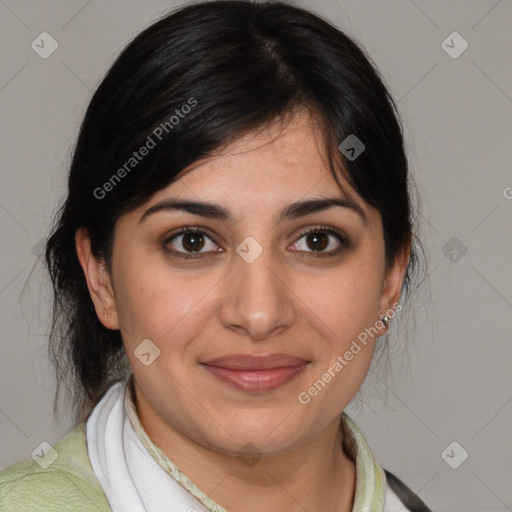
<point>98,281</point>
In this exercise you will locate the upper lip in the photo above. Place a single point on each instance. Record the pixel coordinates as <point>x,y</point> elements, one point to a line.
<point>253,362</point>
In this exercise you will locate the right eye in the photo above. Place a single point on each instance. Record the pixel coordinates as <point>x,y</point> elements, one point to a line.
<point>189,242</point>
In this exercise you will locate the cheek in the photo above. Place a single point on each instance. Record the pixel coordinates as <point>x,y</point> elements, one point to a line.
<point>166,307</point>
<point>349,301</point>
<point>349,307</point>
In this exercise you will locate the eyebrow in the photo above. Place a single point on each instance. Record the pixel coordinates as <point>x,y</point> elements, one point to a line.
<point>217,212</point>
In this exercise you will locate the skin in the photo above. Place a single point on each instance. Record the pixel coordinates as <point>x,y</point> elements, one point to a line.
<point>286,301</point>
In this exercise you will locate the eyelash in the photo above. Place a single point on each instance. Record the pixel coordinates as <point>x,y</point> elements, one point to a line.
<point>342,238</point>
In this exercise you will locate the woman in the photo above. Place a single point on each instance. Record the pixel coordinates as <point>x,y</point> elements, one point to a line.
<point>236,238</point>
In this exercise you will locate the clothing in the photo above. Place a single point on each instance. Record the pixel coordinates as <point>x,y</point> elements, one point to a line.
<point>109,463</point>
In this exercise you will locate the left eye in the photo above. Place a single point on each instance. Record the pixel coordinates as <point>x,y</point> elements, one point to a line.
<point>321,240</point>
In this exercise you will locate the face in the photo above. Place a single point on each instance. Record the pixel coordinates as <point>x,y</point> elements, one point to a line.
<point>254,310</point>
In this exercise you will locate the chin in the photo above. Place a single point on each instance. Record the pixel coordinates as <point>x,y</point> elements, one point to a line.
<point>262,431</point>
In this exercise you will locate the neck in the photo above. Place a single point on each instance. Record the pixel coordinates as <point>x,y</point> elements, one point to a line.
<point>317,475</point>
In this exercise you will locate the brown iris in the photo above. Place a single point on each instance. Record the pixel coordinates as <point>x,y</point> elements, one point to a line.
<point>193,241</point>
<point>319,241</point>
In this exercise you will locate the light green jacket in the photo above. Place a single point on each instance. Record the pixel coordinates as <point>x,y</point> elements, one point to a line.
<point>69,483</point>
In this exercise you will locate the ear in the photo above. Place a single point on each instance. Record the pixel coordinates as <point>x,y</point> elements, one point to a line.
<point>393,282</point>
<point>98,281</point>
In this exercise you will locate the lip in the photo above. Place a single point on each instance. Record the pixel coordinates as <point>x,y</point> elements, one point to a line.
<point>256,373</point>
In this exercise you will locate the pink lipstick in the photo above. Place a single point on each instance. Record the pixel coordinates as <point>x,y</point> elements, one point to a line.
<point>256,373</point>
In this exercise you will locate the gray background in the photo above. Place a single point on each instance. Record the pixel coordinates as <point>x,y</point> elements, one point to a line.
<point>449,382</point>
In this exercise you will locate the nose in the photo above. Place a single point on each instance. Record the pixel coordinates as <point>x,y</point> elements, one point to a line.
<point>259,302</point>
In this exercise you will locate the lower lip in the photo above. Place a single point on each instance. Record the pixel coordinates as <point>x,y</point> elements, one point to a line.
<point>256,380</point>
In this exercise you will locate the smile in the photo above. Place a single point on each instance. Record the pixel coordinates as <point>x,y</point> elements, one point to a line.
<point>256,374</point>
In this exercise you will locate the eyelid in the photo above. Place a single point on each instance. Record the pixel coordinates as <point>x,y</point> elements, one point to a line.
<point>325,229</point>
<point>192,229</point>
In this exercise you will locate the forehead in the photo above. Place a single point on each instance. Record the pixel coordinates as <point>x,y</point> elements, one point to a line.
<point>281,159</point>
